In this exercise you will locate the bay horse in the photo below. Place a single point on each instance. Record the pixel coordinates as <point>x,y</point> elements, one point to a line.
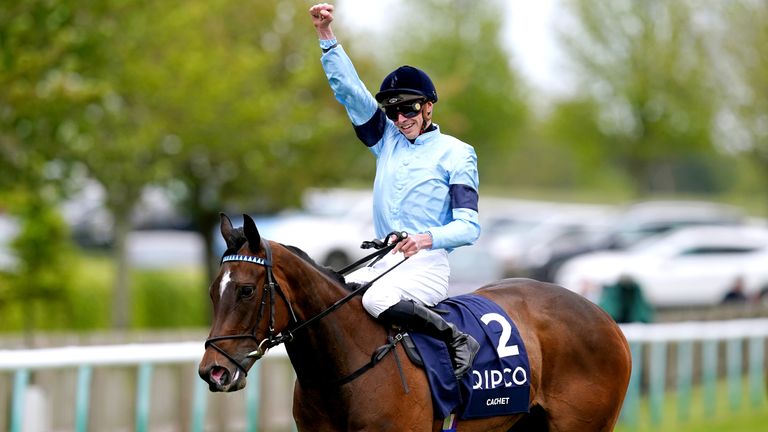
<point>267,293</point>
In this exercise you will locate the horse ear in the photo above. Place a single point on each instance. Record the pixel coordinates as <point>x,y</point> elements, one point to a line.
<point>251,233</point>
<point>227,231</point>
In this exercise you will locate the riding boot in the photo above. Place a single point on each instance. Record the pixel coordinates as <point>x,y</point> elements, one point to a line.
<point>416,317</point>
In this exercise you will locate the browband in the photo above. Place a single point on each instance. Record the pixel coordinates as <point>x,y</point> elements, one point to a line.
<point>247,258</point>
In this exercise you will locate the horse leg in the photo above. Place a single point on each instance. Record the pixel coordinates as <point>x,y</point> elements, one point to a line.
<point>376,401</point>
<point>581,391</point>
<point>490,424</point>
<point>568,414</point>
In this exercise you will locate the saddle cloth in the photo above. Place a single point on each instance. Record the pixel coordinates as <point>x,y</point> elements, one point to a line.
<point>498,383</point>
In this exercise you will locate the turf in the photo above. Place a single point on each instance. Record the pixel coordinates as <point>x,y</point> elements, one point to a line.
<point>748,414</point>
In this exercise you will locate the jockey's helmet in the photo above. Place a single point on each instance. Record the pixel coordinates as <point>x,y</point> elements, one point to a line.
<point>406,80</point>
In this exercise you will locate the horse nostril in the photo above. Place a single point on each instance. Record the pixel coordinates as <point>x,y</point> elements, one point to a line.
<point>219,375</point>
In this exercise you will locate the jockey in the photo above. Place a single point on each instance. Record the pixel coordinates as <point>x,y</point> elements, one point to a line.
<point>426,185</point>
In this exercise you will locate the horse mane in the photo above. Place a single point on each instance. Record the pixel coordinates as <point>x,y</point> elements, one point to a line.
<point>239,240</point>
<point>338,277</point>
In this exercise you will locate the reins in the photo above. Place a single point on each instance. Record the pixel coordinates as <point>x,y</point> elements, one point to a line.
<point>383,250</point>
<point>270,286</point>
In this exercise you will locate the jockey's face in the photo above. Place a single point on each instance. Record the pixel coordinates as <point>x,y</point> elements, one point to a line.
<point>410,117</point>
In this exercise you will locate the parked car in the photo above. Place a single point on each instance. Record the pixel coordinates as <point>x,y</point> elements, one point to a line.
<point>165,248</point>
<point>330,226</point>
<point>687,266</point>
<point>331,241</point>
<point>645,219</point>
<point>639,221</point>
<point>92,224</point>
<point>524,249</point>
<point>471,268</point>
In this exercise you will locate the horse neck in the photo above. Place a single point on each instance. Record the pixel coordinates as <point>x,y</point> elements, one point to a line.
<point>336,344</point>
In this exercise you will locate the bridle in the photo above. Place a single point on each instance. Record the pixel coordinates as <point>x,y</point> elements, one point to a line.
<point>271,286</point>
<point>268,294</point>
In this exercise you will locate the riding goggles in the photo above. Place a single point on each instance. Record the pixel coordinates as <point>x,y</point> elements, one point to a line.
<point>408,109</point>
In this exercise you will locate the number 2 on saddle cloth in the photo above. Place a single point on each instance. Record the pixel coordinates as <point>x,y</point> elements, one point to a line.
<point>498,382</point>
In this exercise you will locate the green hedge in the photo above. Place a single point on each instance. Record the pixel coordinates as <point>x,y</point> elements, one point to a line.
<point>171,298</point>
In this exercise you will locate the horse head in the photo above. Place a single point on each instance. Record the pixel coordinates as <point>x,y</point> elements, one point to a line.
<point>247,314</point>
<point>266,294</point>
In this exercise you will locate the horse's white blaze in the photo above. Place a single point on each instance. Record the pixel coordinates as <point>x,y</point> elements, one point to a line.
<point>224,282</point>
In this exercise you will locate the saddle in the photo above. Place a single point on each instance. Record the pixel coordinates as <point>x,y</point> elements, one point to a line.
<point>497,384</point>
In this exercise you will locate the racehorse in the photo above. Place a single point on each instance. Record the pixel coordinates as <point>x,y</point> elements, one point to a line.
<point>267,293</point>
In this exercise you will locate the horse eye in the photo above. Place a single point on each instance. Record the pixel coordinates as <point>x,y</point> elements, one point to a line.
<point>247,291</point>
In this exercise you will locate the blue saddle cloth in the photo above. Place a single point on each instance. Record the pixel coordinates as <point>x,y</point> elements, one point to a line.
<point>498,383</point>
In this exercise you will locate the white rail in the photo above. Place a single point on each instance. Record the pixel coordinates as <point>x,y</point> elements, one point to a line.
<point>696,330</point>
<point>177,352</point>
<point>649,343</point>
<point>107,355</point>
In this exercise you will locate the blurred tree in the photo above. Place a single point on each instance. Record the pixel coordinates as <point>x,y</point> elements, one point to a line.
<point>743,121</point>
<point>646,66</point>
<point>237,98</point>
<point>68,106</point>
<point>481,99</point>
<point>95,123</point>
<point>44,88</point>
<point>120,143</point>
<point>44,251</point>
<point>216,99</point>
<point>571,131</point>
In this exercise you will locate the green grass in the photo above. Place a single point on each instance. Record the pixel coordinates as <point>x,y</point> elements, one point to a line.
<point>748,416</point>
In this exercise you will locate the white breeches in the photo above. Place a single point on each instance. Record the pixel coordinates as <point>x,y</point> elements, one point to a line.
<point>422,278</point>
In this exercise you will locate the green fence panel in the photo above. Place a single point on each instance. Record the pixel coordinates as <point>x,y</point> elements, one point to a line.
<point>709,376</point>
<point>684,379</point>
<point>143,398</point>
<point>20,383</point>
<point>83,397</point>
<point>756,370</point>
<point>734,368</point>
<point>657,370</point>
<point>199,405</point>
<point>631,408</point>
<point>252,402</point>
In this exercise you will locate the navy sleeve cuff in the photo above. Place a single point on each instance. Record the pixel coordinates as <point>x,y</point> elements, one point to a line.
<point>328,44</point>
